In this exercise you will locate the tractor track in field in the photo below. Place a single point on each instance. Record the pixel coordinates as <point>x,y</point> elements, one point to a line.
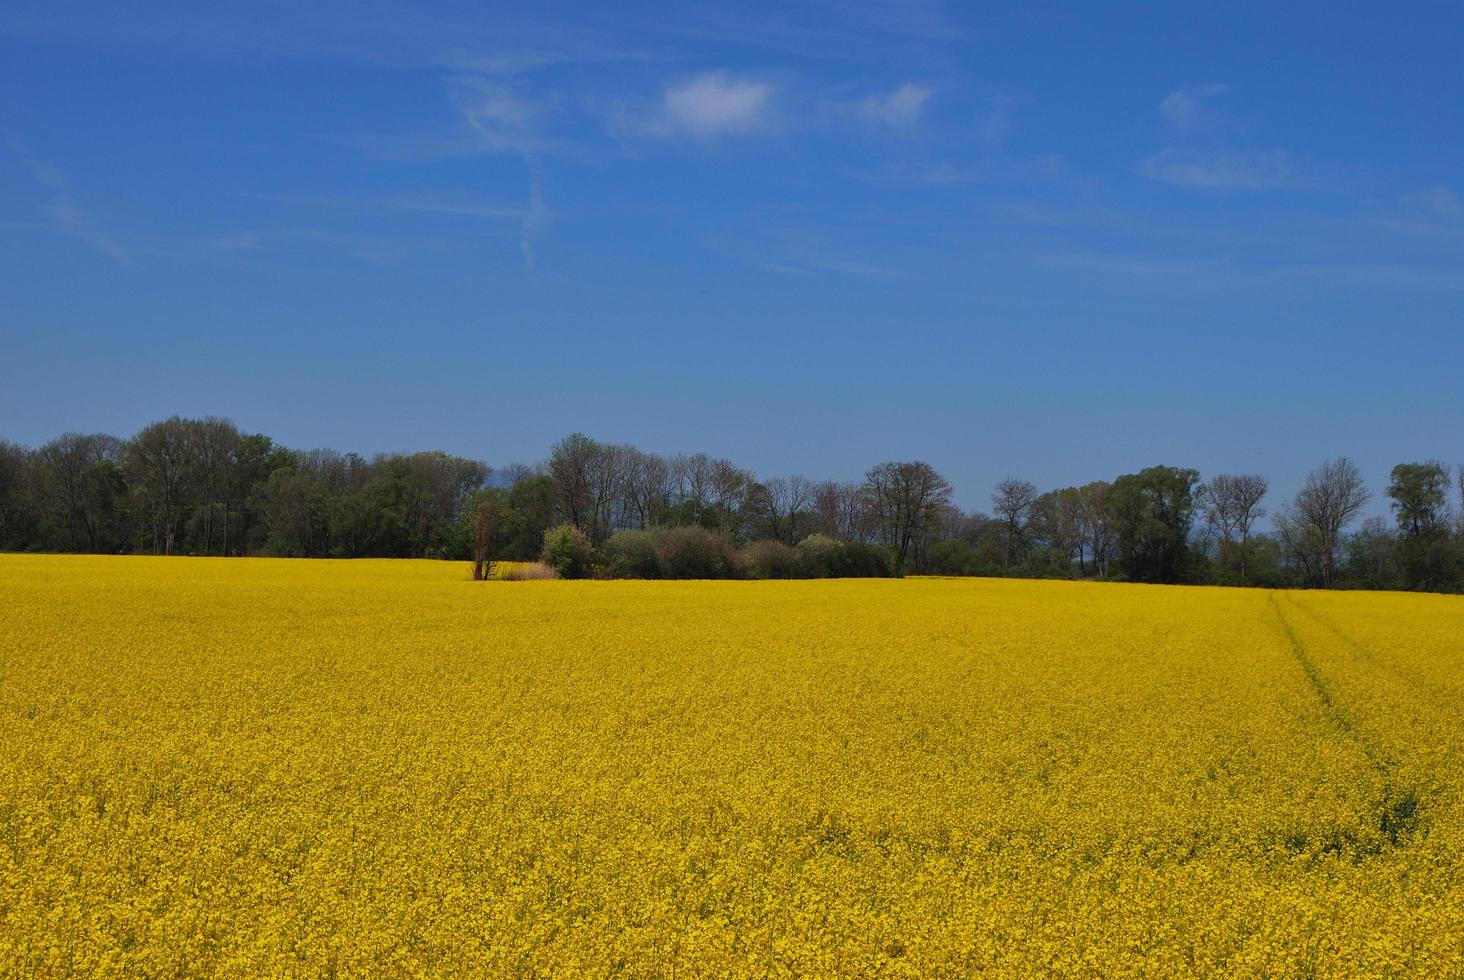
<point>1422,683</point>
<point>1396,814</point>
<point>1339,717</point>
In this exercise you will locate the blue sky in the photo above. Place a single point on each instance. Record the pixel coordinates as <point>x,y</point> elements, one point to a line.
<point>1060,243</point>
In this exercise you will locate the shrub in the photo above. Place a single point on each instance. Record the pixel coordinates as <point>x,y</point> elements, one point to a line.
<point>568,552</point>
<point>1046,563</point>
<point>868,561</point>
<point>695,552</point>
<point>632,554</point>
<point>820,556</point>
<point>770,559</point>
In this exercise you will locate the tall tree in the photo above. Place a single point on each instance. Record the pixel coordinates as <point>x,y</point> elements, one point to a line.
<point>1420,494</point>
<point>781,505</point>
<point>1331,498</point>
<point>15,496</point>
<point>1232,507</point>
<point>1012,503</point>
<point>571,460</point>
<point>607,471</point>
<point>1100,538</point>
<point>906,500</point>
<point>157,462</point>
<point>840,510</point>
<point>728,493</point>
<point>1153,511</point>
<point>648,484</point>
<point>213,449</point>
<point>83,487</point>
<point>1055,523</point>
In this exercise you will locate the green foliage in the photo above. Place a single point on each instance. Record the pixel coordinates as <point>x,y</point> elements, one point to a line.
<point>868,561</point>
<point>1428,556</point>
<point>770,559</point>
<point>696,553</point>
<point>632,554</point>
<point>820,556</point>
<point>1153,511</point>
<point>568,552</point>
<point>1047,563</point>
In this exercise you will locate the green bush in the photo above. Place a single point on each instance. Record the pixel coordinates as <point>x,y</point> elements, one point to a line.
<point>820,556</point>
<point>868,561</point>
<point>632,554</point>
<point>1047,563</point>
<point>568,552</point>
<point>770,559</point>
<point>695,552</point>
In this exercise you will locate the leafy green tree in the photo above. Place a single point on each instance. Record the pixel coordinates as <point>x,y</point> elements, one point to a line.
<point>568,551</point>
<point>1153,511</point>
<point>1427,554</point>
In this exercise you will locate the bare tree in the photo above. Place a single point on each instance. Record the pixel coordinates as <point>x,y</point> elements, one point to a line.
<point>607,487</point>
<point>1054,521</point>
<point>14,464</point>
<point>213,445</point>
<point>1461,499</point>
<point>1100,537</point>
<point>693,475</point>
<point>157,458</point>
<point>728,489</point>
<point>648,487</point>
<point>570,463</point>
<point>78,477</point>
<point>1232,506</point>
<point>1012,502</point>
<point>515,473</point>
<point>1329,500</point>
<point>840,510</point>
<point>780,503</point>
<point>906,499</point>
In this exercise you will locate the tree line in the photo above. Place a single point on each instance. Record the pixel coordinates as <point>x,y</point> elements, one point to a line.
<point>203,487</point>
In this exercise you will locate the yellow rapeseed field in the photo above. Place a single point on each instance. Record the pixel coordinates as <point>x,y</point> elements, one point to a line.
<point>215,767</point>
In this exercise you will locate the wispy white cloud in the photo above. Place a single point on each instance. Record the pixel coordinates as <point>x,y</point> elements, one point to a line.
<point>1186,107</point>
<point>1238,170</point>
<point>705,107</point>
<point>899,109</point>
<point>1433,212</point>
<point>944,173</point>
<point>1435,204</point>
<point>62,213</point>
<point>531,217</point>
<point>715,103</point>
<point>503,120</point>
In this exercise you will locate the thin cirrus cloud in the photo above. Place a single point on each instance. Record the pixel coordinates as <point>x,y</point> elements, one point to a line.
<point>1189,111</point>
<point>1222,170</point>
<point>900,109</point>
<point>501,120</point>
<point>62,213</point>
<point>1187,107</point>
<point>705,107</point>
